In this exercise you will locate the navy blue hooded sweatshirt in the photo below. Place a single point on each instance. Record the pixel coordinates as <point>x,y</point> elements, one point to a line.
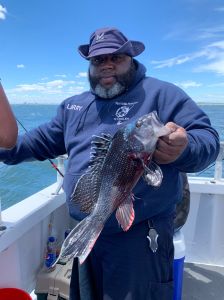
<point>81,116</point>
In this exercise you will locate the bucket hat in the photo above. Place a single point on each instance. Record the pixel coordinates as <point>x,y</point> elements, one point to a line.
<point>110,40</point>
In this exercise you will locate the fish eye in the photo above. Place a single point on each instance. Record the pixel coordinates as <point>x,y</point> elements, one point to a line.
<point>138,124</point>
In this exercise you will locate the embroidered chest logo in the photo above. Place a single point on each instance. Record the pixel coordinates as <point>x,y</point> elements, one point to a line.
<point>121,113</point>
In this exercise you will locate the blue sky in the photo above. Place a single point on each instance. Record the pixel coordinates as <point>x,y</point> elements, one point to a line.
<point>39,62</point>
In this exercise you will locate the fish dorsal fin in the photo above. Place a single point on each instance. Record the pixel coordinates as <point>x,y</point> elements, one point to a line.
<point>99,149</point>
<point>87,188</point>
<point>153,174</point>
<point>125,213</point>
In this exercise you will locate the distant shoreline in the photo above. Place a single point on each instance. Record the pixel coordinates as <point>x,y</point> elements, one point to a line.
<point>204,103</point>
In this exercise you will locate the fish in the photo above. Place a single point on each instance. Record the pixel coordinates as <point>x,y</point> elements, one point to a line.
<point>116,165</point>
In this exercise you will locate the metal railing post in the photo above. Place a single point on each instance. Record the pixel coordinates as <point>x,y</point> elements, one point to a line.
<point>2,227</point>
<point>61,167</point>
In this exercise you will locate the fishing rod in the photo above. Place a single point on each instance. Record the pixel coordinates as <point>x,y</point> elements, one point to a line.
<point>51,162</point>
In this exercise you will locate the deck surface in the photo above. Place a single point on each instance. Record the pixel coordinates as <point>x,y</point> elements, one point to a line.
<point>203,282</point>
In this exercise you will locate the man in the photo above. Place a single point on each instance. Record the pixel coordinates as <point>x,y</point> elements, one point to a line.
<point>124,265</point>
<point>8,125</point>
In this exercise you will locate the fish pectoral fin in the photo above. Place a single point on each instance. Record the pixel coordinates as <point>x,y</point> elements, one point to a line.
<point>153,174</point>
<point>125,213</point>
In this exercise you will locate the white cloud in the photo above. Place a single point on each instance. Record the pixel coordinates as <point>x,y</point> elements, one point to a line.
<point>212,55</point>
<point>20,66</point>
<point>3,12</point>
<point>81,82</point>
<point>215,55</point>
<point>215,67</point>
<point>47,87</point>
<point>210,32</point>
<point>76,89</point>
<point>57,83</point>
<point>29,87</point>
<point>178,60</point>
<point>218,84</point>
<point>188,32</point>
<point>219,8</point>
<point>82,75</point>
<point>45,92</point>
<point>210,98</point>
<point>219,44</point>
<point>61,75</point>
<point>188,84</point>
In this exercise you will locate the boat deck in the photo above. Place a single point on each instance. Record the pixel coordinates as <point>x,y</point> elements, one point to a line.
<point>203,282</point>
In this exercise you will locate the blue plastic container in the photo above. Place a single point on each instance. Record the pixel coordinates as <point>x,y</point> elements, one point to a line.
<point>179,256</point>
<point>51,252</point>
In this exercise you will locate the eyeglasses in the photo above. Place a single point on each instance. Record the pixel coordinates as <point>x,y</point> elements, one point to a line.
<point>101,59</point>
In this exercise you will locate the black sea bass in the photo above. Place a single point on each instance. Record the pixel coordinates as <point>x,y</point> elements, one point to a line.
<point>116,165</point>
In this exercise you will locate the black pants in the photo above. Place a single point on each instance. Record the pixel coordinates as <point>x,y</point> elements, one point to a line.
<point>122,266</point>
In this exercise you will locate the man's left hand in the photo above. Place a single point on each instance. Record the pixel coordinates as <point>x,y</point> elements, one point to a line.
<point>170,147</point>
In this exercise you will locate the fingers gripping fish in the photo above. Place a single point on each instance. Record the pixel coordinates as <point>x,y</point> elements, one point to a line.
<point>116,165</point>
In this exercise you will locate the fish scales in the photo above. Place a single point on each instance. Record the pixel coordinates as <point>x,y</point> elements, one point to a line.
<point>119,174</point>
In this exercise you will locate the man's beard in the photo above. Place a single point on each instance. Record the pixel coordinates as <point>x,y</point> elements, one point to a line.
<point>121,85</point>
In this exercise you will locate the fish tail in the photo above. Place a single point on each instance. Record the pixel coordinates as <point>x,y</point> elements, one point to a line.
<point>81,239</point>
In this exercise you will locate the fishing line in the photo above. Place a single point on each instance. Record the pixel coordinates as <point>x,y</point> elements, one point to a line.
<point>206,169</point>
<point>51,162</point>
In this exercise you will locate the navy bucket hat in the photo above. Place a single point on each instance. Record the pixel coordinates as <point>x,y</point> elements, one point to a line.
<point>110,40</point>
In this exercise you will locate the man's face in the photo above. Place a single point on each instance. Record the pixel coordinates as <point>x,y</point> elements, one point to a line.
<point>111,74</point>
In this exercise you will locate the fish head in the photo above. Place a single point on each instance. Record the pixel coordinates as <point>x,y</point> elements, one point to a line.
<point>143,134</point>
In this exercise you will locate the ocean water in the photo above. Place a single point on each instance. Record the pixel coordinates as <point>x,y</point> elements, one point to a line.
<point>20,181</point>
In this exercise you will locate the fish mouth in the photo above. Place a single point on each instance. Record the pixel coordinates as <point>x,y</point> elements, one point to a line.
<point>145,156</point>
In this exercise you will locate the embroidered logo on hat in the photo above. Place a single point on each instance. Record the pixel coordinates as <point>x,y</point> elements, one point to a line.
<point>99,37</point>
